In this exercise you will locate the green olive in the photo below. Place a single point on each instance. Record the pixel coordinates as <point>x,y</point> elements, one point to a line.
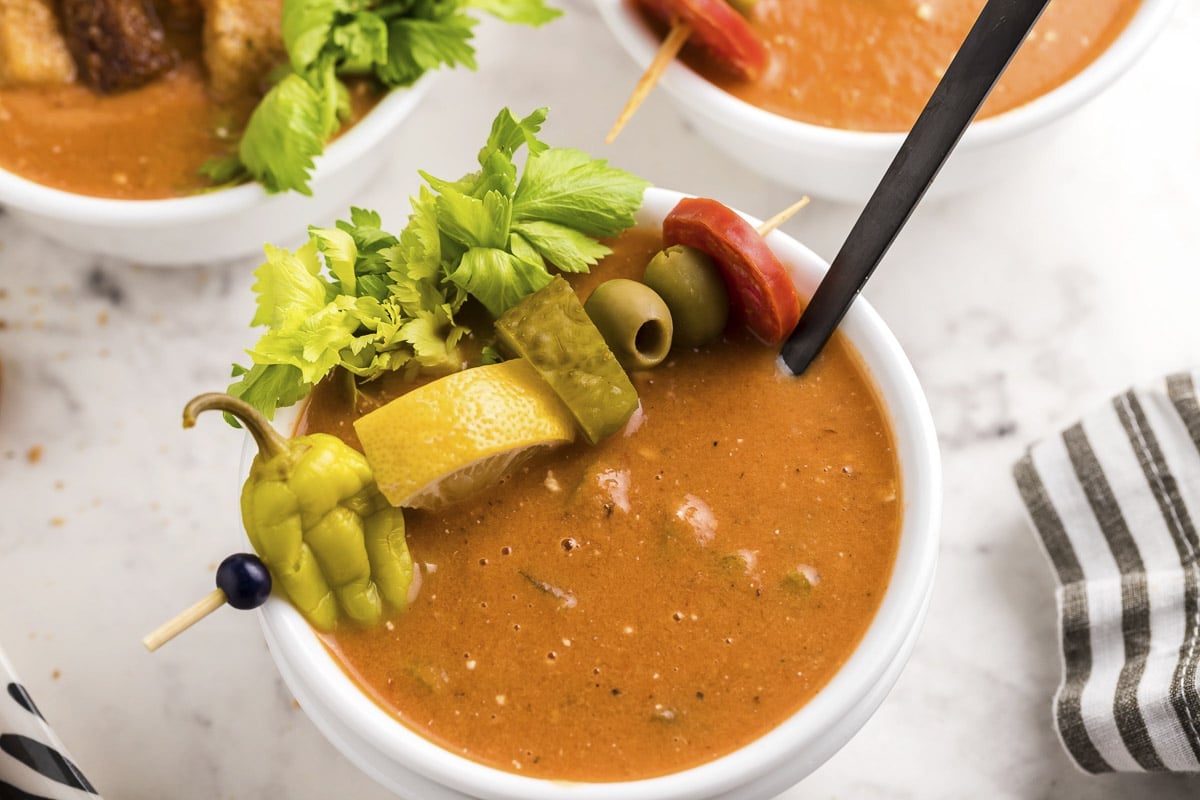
<point>692,287</point>
<point>743,7</point>
<point>634,321</point>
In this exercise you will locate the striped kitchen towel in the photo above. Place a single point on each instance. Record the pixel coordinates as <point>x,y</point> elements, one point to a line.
<point>1115,500</point>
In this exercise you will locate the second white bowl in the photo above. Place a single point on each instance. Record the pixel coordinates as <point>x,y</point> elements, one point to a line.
<point>847,165</point>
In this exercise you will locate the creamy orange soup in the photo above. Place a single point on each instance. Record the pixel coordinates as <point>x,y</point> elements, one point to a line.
<point>872,64</point>
<point>145,143</point>
<point>645,605</point>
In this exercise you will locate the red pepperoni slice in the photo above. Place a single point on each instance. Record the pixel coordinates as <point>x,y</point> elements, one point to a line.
<point>761,294</point>
<point>719,29</point>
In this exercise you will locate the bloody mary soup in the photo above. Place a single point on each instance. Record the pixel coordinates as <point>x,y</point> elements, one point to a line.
<point>150,141</point>
<point>871,66</point>
<point>146,143</point>
<point>638,607</point>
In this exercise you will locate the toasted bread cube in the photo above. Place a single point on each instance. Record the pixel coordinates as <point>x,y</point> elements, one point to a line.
<point>181,14</point>
<point>117,44</point>
<point>242,44</point>
<point>32,48</point>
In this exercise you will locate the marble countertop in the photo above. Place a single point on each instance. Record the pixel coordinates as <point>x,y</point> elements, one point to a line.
<point>1020,306</point>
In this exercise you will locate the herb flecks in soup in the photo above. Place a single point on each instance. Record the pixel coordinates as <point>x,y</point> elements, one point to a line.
<point>652,602</point>
<point>871,66</point>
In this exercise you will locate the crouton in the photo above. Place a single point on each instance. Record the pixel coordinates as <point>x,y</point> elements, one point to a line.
<point>242,44</point>
<point>117,44</point>
<point>32,49</point>
<point>181,15</point>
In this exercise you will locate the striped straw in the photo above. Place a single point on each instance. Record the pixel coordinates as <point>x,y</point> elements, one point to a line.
<point>33,763</point>
<point>1115,500</point>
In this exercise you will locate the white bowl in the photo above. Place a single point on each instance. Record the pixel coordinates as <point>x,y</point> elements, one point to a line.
<point>217,225</point>
<point>415,767</point>
<point>847,165</point>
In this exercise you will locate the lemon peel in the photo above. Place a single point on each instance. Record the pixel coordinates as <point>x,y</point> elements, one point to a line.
<point>445,440</point>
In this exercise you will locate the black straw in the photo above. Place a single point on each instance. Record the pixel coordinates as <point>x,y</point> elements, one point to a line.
<point>991,44</point>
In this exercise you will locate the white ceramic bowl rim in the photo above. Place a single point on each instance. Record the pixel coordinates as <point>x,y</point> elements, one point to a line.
<point>367,133</point>
<point>682,82</point>
<point>895,623</point>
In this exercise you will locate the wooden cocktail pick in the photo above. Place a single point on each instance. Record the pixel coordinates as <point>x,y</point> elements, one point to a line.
<point>782,217</point>
<point>667,51</point>
<point>716,26</point>
<point>242,581</point>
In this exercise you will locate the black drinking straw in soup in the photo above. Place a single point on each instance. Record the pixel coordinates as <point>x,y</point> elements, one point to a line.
<point>993,40</point>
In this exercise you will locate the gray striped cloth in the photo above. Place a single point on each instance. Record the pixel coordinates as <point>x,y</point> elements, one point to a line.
<point>1115,500</point>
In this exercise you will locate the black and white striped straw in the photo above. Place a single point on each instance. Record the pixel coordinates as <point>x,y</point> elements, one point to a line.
<point>33,763</point>
<point>1115,500</point>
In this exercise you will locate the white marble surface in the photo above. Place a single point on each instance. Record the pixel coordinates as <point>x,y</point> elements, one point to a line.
<point>1019,305</point>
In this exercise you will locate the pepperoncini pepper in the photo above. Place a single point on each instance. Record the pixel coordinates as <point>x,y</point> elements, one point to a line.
<point>316,518</point>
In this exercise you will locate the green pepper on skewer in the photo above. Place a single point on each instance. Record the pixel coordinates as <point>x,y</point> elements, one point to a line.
<point>317,520</point>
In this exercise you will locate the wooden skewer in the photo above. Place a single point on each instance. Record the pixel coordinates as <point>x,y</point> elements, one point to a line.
<point>184,620</point>
<point>782,217</point>
<point>670,47</point>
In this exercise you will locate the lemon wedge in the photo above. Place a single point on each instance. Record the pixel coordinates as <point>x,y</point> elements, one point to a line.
<point>447,439</point>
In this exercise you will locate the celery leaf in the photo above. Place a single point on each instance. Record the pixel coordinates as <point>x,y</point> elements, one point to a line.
<point>393,42</point>
<point>285,133</point>
<point>566,248</point>
<point>307,27</point>
<point>268,387</point>
<point>497,278</point>
<point>288,281</point>
<point>365,301</point>
<point>525,12</point>
<point>475,222</point>
<point>418,45</point>
<point>571,188</point>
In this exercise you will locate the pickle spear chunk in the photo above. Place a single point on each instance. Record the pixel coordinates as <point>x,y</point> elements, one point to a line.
<point>550,329</point>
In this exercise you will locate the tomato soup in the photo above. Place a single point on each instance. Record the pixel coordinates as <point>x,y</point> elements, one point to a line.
<point>140,144</point>
<point>145,143</point>
<point>871,66</point>
<point>638,607</point>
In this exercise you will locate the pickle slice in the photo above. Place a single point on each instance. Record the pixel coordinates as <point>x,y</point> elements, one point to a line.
<point>550,329</point>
